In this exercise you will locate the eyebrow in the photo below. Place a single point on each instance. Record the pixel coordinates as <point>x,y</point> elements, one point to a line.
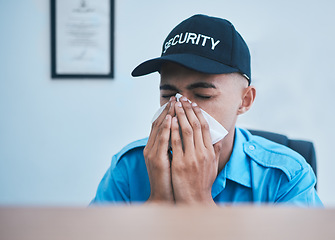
<point>200,85</point>
<point>168,87</point>
<point>189,87</point>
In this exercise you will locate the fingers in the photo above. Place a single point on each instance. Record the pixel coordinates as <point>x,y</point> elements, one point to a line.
<point>193,122</point>
<point>163,136</point>
<point>176,142</point>
<point>158,164</point>
<point>194,127</point>
<point>169,109</point>
<point>172,111</point>
<point>186,128</point>
<point>206,135</point>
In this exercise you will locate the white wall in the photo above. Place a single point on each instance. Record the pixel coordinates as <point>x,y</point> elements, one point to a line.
<point>57,137</point>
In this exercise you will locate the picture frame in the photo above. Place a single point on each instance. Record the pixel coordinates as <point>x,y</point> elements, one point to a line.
<point>82,39</point>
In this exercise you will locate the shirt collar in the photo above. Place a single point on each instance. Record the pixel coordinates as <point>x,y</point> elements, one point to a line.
<point>237,168</point>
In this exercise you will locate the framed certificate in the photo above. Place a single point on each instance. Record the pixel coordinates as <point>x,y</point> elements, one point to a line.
<point>82,38</point>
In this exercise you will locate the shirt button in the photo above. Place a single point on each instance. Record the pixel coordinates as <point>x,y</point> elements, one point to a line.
<point>252,147</point>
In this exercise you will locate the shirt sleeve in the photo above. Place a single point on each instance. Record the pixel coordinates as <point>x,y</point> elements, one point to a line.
<point>300,190</point>
<point>114,186</point>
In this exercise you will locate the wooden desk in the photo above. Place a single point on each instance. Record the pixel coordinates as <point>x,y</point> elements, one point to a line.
<point>163,222</point>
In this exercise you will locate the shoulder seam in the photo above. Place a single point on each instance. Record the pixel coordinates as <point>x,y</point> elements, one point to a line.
<point>283,154</point>
<point>131,146</point>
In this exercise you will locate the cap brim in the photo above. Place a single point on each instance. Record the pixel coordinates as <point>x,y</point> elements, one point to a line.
<point>191,61</point>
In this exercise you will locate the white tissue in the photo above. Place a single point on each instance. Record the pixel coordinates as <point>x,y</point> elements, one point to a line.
<point>217,131</point>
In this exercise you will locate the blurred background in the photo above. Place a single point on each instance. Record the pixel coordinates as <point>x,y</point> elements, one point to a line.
<point>57,136</point>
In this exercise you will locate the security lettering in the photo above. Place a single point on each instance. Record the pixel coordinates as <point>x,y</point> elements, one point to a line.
<point>192,38</point>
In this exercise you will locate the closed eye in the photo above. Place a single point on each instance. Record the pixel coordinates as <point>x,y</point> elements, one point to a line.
<point>168,95</point>
<point>202,96</point>
<point>199,96</point>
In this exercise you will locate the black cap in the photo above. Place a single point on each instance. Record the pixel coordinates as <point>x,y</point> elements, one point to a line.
<point>205,44</point>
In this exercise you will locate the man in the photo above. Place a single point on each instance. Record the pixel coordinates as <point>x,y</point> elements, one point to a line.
<point>206,60</point>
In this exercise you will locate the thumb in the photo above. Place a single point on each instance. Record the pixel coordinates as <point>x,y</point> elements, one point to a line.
<point>217,149</point>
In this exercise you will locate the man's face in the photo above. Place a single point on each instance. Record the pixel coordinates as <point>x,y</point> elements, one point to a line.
<point>220,95</point>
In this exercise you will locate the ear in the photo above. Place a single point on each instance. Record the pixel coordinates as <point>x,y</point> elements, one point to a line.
<point>248,98</point>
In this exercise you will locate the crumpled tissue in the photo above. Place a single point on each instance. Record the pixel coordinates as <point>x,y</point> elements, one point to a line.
<point>217,131</point>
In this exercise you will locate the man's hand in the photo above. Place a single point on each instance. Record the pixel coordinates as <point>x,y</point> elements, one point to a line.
<point>194,164</point>
<point>157,157</point>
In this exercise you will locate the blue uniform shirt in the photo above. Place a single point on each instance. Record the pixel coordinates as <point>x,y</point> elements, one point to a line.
<point>258,171</point>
